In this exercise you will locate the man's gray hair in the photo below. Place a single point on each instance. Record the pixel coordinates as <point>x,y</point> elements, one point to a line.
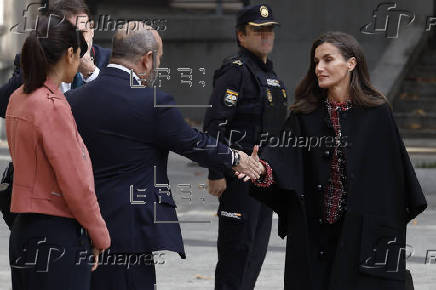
<point>132,41</point>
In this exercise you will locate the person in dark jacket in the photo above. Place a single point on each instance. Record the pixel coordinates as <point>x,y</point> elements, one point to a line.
<point>340,178</point>
<point>97,57</point>
<point>248,101</point>
<point>129,132</point>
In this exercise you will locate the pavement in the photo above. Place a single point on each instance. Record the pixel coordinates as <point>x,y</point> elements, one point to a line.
<point>197,271</point>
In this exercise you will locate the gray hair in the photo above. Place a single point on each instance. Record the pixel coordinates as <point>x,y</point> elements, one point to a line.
<point>132,41</point>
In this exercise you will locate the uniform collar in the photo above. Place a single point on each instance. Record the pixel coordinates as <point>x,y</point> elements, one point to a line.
<point>268,66</point>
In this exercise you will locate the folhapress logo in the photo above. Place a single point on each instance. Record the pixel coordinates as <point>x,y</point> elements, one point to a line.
<point>387,19</point>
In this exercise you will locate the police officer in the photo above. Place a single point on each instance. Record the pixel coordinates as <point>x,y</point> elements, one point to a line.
<point>249,104</point>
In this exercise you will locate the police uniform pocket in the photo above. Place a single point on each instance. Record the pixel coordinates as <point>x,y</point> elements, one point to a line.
<point>382,252</point>
<point>232,202</point>
<point>231,216</point>
<point>232,228</point>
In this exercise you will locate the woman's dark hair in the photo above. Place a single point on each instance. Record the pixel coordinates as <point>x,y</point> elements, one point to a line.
<point>308,94</point>
<point>45,46</point>
<point>70,8</point>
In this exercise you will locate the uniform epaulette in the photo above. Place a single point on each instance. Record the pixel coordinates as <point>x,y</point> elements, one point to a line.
<point>238,62</point>
<point>233,60</point>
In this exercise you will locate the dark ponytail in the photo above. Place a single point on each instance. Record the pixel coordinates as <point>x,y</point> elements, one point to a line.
<point>45,46</point>
<point>33,64</point>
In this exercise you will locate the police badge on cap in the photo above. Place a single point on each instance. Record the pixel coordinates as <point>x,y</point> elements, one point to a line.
<point>256,15</point>
<point>264,11</point>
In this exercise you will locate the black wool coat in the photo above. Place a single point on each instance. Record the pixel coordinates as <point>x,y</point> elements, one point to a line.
<point>383,196</point>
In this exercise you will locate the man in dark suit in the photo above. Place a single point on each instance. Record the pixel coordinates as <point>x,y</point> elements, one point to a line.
<point>77,12</point>
<point>129,133</point>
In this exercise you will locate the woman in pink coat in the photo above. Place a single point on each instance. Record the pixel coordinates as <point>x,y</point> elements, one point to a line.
<point>59,221</point>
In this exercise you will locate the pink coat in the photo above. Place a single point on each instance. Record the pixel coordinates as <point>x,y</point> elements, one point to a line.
<point>52,170</point>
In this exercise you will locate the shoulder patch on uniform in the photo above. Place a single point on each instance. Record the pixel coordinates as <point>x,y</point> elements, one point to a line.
<point>238,62</point>
<point>231,98</point>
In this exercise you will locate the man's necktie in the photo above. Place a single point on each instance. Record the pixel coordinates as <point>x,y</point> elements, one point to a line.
<point>77,81</point>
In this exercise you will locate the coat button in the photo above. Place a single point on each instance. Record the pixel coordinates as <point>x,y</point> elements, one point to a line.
<point>302,196</point>
<point>319,187</point>
<point>320,221</point>
<point>322,254</point>
<point>327,154</point>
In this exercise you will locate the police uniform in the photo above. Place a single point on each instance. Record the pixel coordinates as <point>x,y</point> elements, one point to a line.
<point>249,103</point>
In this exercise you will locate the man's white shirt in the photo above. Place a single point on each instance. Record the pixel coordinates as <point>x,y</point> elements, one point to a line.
<point>64,87</point>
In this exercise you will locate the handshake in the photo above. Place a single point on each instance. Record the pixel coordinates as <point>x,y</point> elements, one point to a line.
<point>249,167</point>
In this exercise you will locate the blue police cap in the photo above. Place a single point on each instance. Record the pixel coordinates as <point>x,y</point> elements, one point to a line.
<point>256,15</point>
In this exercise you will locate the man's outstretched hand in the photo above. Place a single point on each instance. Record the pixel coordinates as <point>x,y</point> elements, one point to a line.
<point>253,169</point>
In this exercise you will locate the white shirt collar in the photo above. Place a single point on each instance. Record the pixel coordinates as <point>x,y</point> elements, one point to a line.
<point>123,68</point>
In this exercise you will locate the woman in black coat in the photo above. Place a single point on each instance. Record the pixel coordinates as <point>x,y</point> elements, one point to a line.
<point>340,178</point>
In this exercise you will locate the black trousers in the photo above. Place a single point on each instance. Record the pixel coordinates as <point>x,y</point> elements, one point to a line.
<point>44,253</point>
<point>243,236</point>
<point>122,271</point>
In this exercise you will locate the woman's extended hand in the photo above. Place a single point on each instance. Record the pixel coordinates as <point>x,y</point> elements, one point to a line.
<point>248,166</point>
<point>260,169</point>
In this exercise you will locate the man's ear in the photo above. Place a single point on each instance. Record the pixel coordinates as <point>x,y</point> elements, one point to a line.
<point>239,35</point>
<point>147,61</point>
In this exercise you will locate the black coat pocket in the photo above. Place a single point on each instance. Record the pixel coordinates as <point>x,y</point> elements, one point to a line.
<point>382,252</point>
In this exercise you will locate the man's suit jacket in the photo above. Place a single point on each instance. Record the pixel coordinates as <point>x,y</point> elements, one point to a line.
<point>101,59</point>
<point>129,139</point>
